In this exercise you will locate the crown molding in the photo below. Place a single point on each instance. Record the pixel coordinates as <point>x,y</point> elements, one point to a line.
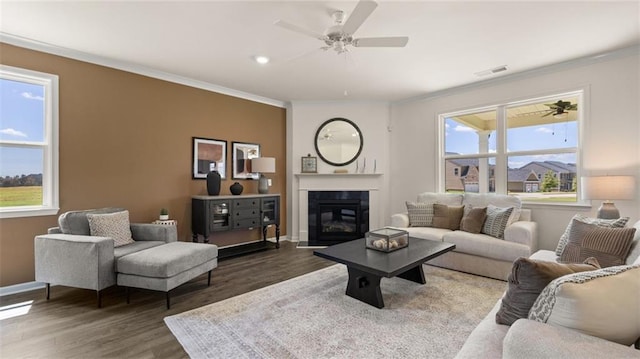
<point>136,69</point>
<point>581,61</point>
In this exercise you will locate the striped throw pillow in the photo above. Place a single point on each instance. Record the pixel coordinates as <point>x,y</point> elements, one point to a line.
<point>609,246</point>
<point>610,223</point>
<point>496,222</point>
<point>420,214</point>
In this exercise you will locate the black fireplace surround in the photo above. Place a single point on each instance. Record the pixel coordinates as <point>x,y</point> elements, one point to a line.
<point>337,216</point>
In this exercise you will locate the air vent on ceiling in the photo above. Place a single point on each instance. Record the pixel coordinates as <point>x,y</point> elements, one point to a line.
<point>492,71</point>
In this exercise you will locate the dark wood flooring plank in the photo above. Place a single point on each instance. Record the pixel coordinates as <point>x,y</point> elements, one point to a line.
<point>70,325</point>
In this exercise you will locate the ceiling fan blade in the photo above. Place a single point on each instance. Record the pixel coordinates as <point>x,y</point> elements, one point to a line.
<point>360,13</point>
<point>548,114</point>
<point>400,41</point>
<point>300,30</point>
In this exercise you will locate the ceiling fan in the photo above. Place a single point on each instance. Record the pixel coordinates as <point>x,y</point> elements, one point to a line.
<point>560,108</point>
<point>339,37</point>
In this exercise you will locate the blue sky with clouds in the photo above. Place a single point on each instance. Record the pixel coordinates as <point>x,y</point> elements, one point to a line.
<point>21,119</point>
<point>464,140</point>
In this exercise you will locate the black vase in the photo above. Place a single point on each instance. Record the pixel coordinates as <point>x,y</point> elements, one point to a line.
<point>213,183</point>
<point>236,188</point>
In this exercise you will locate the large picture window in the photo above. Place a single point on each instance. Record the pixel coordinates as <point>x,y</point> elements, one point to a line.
<point>528,149</point>
<point>28,143</point>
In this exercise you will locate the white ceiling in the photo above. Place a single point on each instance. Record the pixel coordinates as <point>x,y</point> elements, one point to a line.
<point>214,41</point>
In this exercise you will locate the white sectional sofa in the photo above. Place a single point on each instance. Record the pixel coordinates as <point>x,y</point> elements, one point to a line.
<point>533,339</point>
<point>480,253</point>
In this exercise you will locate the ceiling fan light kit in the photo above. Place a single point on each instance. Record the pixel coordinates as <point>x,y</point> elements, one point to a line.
<point>339,37</point>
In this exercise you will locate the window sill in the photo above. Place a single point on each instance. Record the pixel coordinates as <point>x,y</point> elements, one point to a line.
<point>560,205</point>
<point>20,212</point>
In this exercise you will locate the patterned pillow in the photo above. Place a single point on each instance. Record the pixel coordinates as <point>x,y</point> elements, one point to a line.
<point>601,303</point>
<point>474,219</point>
<point>113,225</point>
<point>447,217</point>
<point>496,222</point>
<point>420,214</point>
<point>613,223</point>
<point>609,245</point>
<point>527,279</point>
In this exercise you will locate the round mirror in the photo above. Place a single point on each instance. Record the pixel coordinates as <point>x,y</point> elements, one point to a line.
<point>338,141</point>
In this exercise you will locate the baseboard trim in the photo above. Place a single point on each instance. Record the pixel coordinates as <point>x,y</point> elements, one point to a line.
<point>20,288</point>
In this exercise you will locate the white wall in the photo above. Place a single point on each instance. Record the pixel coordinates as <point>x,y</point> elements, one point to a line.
<point>610,137</point>
<point>303,120</point>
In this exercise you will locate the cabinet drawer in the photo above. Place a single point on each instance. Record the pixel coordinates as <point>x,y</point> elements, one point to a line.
<point>246,203</point>
<point>240,213</point>
<point>246,223</point>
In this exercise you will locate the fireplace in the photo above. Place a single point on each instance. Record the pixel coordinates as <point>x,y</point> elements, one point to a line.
<point>337,216</point>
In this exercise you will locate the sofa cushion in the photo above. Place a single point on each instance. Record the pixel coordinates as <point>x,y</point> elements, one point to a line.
<point>167,260</point>
<point>527,279</point>
<point>473,220</point>
<point>450,199</point>
<point>432,233</point>
<point>612,223</point>
<point>113,225</point>
<point>496,221</point>
<point>602,303</point>
<point>483,245</point>
<point>448,217</point>
<point>609,245</point>
<point>420,214</point>
<point>136,246</point>
<point>76,222</point>
<point>503,201</point>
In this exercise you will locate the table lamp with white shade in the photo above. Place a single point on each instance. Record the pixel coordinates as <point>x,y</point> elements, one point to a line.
<point>263,165</point>
<point>608,188</point>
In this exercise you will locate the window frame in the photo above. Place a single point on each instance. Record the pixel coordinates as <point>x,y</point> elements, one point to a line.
<point>501,154</point>
<point>49,144</point>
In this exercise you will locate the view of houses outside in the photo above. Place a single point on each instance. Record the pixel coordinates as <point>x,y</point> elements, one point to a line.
<point>22,121</point>
<point>541,148</point>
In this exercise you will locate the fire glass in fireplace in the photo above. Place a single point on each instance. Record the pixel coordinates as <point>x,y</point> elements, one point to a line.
<point>337,216</point>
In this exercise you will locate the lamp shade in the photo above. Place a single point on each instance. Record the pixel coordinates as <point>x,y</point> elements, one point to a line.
<point>263,165</point>
<point>608,187</point>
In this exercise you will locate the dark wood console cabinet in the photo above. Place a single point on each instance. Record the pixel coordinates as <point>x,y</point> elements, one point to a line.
<point>212,214</point>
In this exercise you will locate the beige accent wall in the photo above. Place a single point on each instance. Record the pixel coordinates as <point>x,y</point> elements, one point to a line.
<point>125,140</point>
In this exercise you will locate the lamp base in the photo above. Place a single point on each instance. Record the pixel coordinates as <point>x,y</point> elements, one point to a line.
<point>608,211</point>
<point>263,185</point>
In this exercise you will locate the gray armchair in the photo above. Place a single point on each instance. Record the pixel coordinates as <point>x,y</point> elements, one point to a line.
<point>68,255</point>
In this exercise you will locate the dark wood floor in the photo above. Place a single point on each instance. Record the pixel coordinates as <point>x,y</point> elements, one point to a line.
<point>70,325</point>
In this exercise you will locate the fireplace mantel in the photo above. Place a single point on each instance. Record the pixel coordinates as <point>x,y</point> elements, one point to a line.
<point>371,182</point>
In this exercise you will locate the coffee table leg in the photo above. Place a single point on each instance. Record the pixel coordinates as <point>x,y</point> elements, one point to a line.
<point>415,274</point>
<point>365,287</point>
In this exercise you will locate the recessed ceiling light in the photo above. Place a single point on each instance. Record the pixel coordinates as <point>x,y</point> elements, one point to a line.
<point>261,59</point>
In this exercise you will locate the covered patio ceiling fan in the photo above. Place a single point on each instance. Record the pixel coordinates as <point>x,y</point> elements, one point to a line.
<point>339,37</point>
<point>559,109</point>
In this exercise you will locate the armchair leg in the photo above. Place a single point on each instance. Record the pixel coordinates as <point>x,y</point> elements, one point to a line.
<point>47,290</point>
<point>99,295</point>
<point>168,300</point>
<point>209,279</point>
<point>127,292</point>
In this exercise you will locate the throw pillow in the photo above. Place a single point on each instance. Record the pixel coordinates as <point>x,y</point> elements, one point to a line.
<point>496,222</point>
<point>601,303</point>
<point>473,220</point>
<point>612,223</point>
<point>609,245</point>
<point>113,225</point>
<point>527,279</point>
<point>420,214</point>
<point>447,217</point>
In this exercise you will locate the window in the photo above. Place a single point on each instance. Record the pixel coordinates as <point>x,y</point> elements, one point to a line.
<point>528,149</point>
<point>28,143</point>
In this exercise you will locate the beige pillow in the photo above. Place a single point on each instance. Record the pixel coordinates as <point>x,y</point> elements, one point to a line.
<point>527,279</point>
<point>604,303</point>
<point>447,217</point>
<point>609,245</point>
<point>420,214</point>
<point>474,220</point>
<point>113,225</point>
<point>613,223</point>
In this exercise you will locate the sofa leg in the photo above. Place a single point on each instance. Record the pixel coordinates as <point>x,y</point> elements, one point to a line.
<point>209,279</point>
<point>47,290</point>
<point>127,293</point>
<point>168,300</point>
<point>99,294</point>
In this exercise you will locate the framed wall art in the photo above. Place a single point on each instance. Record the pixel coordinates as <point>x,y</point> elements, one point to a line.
<point>309,164</point>
<point>241,158</point>
<point>208,155</point>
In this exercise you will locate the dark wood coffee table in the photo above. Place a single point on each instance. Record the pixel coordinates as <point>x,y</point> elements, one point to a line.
<point>367,266</point>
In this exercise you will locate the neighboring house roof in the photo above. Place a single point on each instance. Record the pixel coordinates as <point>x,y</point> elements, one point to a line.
<point>553,166</point>
<point>521,175</point>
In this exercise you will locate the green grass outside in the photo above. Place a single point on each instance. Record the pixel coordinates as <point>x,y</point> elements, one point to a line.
<point>20,196</point>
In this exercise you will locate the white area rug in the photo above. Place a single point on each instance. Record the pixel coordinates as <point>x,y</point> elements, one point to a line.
<point>311,317</point>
